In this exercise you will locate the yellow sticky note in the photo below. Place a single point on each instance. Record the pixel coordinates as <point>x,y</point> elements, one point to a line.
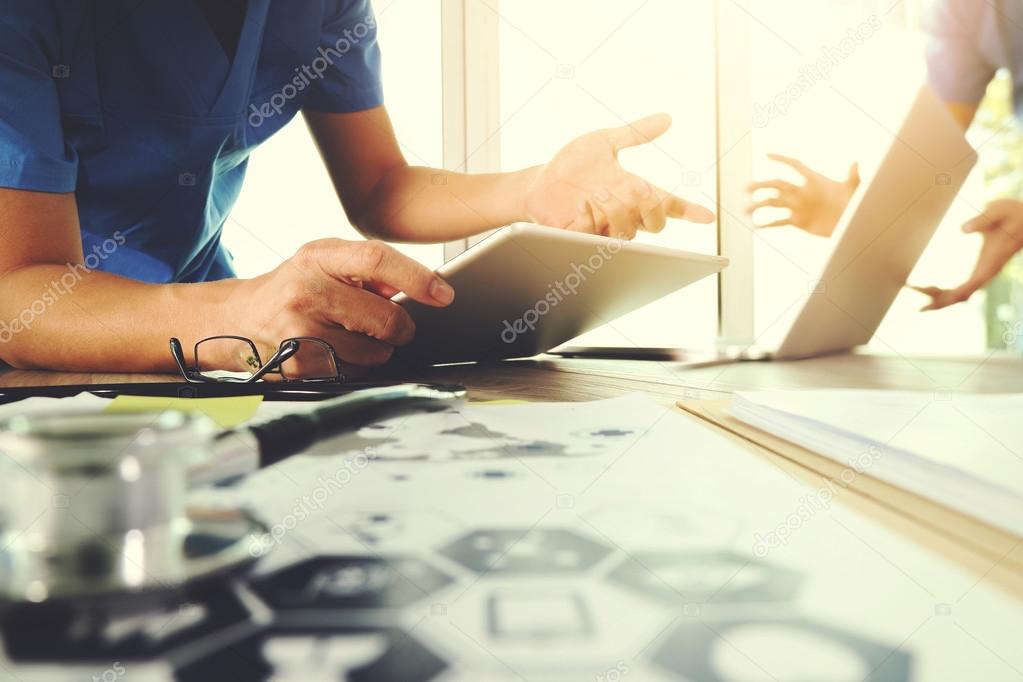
<point>226,412</point>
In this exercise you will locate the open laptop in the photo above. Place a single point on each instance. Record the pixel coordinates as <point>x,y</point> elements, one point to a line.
<point>881,237</point>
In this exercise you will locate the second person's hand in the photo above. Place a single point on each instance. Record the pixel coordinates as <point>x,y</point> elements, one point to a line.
<point>1001,225</point>
<point>338,291</point>
<point>815,206</point>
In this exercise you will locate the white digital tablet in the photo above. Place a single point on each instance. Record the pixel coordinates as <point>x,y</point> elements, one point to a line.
<point>527,289</point>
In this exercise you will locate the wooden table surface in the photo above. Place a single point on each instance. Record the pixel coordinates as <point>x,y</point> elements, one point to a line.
<point>556,379</point>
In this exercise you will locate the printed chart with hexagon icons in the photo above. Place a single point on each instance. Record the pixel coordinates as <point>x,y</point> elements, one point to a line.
<point>790,649</point>
<point>707,578</point>
<point>543,551</point>
<point>450,568</point>
<point>351,584</point>
<point>328,653</point>
<point>225,632</point>
<point>65,633</point>
<point>571,625</point>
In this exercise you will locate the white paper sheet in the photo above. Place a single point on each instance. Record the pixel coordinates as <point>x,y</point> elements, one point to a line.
<point>963,451</point>
<point>83,402</point>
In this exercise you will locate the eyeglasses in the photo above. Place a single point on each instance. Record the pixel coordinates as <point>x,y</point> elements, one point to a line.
<point>234,359</point>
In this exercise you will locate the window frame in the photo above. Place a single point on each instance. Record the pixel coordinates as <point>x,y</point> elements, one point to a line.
<point>471,92</point>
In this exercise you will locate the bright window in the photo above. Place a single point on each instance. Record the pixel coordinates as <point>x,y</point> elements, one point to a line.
<point>850,115</point>
<point>571,66</point>
<point>288,199</point>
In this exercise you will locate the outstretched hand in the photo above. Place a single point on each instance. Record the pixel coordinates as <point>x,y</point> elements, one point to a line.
<point>585,188</point>
<point>814,206</point>
<point>1001,225</point>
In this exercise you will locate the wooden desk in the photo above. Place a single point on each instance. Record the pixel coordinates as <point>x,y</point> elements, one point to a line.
<point>585,379</point>
<point>555,379</point>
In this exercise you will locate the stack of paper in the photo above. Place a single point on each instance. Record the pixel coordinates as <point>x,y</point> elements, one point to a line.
<point>962,451</point>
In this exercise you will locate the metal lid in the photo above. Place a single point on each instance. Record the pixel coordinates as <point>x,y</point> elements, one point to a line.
<point>26,437</point>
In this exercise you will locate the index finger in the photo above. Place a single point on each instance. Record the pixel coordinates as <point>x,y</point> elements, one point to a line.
<point>386,268</point>
<point>940,298</point>
<point>943,298</point>
<point>686,210</point>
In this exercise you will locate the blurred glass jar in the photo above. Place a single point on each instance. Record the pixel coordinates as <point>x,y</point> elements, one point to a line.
<point>94,503</point>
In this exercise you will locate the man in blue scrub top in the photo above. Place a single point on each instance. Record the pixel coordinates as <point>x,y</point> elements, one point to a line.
<point>125,130</point>
<point>969,42</point>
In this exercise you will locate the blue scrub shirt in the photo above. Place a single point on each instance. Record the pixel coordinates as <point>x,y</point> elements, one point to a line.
<point>135,107</point>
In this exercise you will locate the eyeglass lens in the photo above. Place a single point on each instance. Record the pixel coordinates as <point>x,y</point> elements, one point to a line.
<point>224,356</point>
<point>313,361</point>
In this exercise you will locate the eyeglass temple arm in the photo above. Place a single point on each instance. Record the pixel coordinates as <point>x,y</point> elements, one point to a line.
<point>178,353</point>
<point>287,351</point>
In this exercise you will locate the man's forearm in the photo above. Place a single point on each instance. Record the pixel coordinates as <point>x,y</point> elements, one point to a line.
<point>414,204</point>
<point>73,319</point>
